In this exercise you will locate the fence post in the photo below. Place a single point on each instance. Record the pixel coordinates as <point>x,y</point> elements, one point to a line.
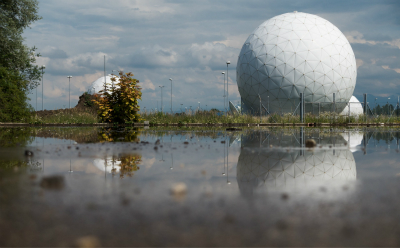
<point>301,108</point>
<point>365,106</point>
<point>301,140</point>
<point>365,103</point>
<point>260,106</point>
<point>319,109</point>
<point>334,102</point>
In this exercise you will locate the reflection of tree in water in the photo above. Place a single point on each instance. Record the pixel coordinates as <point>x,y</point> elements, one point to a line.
<point>127,134</point>
<point>13,136</point>
<point>9,164</point>
<point>129,164</point>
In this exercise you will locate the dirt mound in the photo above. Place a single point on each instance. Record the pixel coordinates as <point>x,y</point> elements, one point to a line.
<point>85,104</point>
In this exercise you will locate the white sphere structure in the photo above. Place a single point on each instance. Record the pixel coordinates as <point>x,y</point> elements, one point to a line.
<point>98,84</point>
<point>295,53</point>
<point>355,109</point>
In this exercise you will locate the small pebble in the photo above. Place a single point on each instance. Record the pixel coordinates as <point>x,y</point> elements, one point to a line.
<point>88,242</point>
<point>310,143</point>
<point>178,189</point>
<point>52,182</point>
<point>28,153</point>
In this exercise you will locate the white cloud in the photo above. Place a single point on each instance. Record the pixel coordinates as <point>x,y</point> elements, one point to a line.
<point>147,84</point>
<point>235,41</point>
<point>386,67</point>
<point>357,37</point>
<point>359,62</point>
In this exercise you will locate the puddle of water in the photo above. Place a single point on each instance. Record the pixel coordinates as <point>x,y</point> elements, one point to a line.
<point>175,187</point>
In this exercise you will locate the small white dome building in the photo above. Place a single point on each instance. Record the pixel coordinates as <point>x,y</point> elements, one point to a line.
<point>356,108</point>
<point>98,84</point>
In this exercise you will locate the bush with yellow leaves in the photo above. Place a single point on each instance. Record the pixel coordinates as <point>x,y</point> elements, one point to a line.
<point>121,105</point>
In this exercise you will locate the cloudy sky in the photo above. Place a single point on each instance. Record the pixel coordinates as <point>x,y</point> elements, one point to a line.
<point>190,41</point>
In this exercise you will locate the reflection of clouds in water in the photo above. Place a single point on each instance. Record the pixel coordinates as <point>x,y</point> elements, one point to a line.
<point>148,162</point>
<point>107,164</point>
<point>353,139</point>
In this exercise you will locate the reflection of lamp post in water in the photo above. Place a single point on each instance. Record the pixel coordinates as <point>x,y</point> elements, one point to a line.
<point>70,166</point>
<point>227,162</point>
<point>172,157</point>
<point>224,161</point>
<point>162,157</point>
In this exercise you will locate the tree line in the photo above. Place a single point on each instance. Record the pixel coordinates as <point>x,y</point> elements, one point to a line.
<point>18,72</point>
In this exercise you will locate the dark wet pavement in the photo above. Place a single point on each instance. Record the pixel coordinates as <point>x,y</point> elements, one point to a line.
<point>201,188</point>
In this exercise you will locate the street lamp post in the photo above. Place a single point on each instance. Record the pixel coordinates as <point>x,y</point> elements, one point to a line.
<point>171,94</point>
<point>375,106</point>
<point>161,98</point>
<point>224,90</point>
<point>43,66</point>
<point>388,106</point>
<point>199,106</point>
<point>227,84</point>
<point>181,107</point>
<point>69,90</point>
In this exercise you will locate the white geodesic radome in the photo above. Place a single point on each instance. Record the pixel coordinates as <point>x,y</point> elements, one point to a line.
<point>98,84</point>
<point>355,108</point>
<point>295,53</point>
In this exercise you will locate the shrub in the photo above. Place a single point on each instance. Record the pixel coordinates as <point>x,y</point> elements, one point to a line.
<point>122,104</point>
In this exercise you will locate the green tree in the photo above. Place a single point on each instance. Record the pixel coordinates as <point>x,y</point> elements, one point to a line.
<point>15,16</point>
<point>18,74</point>
<point>122,104</point>
<point>13,97</point>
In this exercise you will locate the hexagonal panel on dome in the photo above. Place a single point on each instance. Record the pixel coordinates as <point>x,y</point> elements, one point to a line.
<point>295,53</point>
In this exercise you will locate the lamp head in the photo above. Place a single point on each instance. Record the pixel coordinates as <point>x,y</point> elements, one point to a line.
<point>223,72</point>
<point>170,79</point>
<point>43,66</point>
<point>228,62</point>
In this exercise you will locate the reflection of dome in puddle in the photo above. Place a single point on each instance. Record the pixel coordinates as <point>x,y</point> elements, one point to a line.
<point>354,139</point>
<point>107,165</point>
<point>295,170</point>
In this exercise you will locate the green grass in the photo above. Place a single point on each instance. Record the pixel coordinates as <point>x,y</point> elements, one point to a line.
<point>209,117</point>
<point>66,116</point>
